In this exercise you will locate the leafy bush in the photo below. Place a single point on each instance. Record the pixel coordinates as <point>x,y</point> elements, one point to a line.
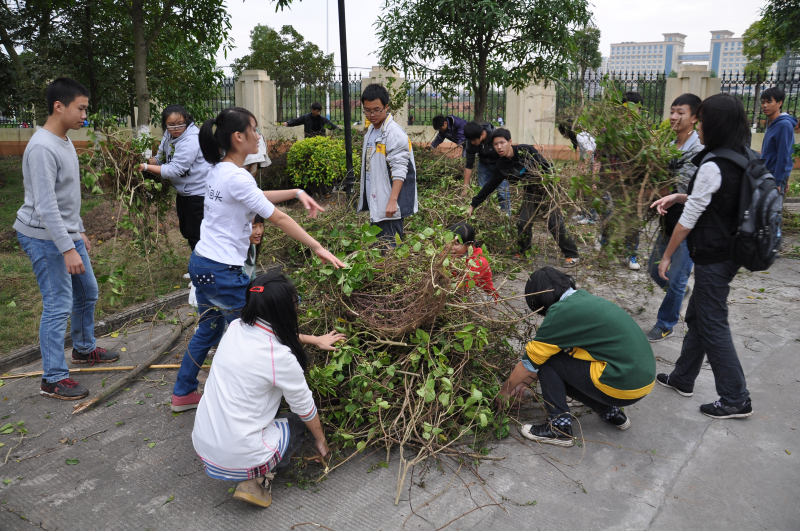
<point>318,161</point>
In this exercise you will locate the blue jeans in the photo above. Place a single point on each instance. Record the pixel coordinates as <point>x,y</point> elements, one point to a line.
<point>221,291</point>
<point>62,295</point>
<point>485,171</point>
<point>679,271</point>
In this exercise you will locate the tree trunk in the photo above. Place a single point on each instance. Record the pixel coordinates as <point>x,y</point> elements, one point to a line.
<point>482,88</point>
<point>94,100</point>
<point>140,65</point>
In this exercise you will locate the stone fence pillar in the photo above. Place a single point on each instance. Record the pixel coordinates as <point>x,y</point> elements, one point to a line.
<point>531,114</point>
<point>694,79</point>
<point>381,76</point>
<point>255,91</point>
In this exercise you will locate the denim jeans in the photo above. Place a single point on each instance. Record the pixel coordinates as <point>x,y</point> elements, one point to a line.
<point>62,295</point>
<point>562,376</point>
<point>485,171</point>
<point>221,291</point>
<point>679,271</point>
<point>710,335</point>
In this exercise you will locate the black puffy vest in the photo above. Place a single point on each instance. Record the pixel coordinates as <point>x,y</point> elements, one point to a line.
<point>707,242</point>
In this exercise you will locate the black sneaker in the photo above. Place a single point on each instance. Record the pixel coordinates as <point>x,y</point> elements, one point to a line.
<point>548,434</point>
<point>98,355</point>
<point>657,334</point>
<point>663,379</point>
<point>620,421</point>
<point>720,410</point>
<point>66,389</point>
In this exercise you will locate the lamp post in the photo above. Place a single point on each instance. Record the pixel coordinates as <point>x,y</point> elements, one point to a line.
<point>348,138</point>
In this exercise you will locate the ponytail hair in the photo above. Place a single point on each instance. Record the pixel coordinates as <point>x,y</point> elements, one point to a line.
<point>215,142</point>
<point>277,305</point>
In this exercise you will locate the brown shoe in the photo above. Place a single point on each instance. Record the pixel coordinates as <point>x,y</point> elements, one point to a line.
<point>256,491</point>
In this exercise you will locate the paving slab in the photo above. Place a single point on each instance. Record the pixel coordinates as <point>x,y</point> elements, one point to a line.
<point>673,469</point>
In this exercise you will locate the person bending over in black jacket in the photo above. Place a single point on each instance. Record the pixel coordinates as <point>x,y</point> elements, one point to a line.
<point>513,165</point>
<point>709,220</point>
<point>313,123</point>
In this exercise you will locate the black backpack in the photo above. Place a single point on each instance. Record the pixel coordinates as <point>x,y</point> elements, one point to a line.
<point>758,236</point>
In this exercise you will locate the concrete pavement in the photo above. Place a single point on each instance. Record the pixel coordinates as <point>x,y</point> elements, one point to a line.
<point>673,469</point>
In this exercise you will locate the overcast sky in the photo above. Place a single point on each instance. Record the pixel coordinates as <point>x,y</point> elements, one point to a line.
<point>643,20</point>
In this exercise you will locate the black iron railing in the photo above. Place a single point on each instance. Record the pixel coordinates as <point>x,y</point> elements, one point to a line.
<point>424,103</point>
<point>295,101</point>
<point>750,87</point>
<point>573,92</point>
<point>223,97</point>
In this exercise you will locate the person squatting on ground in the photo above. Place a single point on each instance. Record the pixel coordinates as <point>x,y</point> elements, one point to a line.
<point>514,166</point>
<point>215,266</point>
<point>479,270</point>
<point>238,433</point>
<point>682,119</point>
<point>451,128</point>
<point>479,145</point>
<point>777,147</point>
<point>586,348</point>
<point>711,202</point>
<point>50,231</point>
<point>180,160</point>
<point>388,171</point>
<point>313,123</point>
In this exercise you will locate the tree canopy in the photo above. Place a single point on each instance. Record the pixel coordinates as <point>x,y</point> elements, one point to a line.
<point>451,43</point>
<point>587,53</point>
<point>782,20</point>
<point>760,49</point>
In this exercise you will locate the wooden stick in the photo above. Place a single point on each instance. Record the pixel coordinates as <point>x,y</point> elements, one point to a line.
<point>176,333</point>
<point>98,369</point>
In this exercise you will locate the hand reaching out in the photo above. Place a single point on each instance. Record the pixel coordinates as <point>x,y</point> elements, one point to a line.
<point>327,256</point>
<point>330,339</point>
<point>661,205</point>
<point>311,205</point>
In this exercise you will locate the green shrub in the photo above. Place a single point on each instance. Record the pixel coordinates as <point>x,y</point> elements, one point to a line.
<point>319,161</point>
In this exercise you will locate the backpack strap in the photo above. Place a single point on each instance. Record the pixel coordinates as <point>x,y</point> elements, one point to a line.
<point>729,155</point>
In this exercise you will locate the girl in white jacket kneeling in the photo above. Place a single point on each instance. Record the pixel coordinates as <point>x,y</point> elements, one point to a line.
<point>237,432</point>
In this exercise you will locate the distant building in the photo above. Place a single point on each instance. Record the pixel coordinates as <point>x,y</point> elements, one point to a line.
<point>724,55</point>
<point>647,57</point>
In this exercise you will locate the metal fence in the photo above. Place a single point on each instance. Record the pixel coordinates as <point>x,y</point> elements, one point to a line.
<point>425,103</point>
<point>12,117</point>
<point>573,92</point>
<point>295,101</point>
<point>750,87</point>
<point>223,97</point>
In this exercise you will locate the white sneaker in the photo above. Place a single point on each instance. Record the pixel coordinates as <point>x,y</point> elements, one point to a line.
<point>633,264</point>
<point>187,276</point>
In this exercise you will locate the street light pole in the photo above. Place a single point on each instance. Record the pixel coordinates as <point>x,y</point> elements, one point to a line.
<point>348,138</point>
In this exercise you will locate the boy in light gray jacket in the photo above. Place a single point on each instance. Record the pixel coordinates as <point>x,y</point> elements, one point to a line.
<point>388,174</point>
<point>50,231</point>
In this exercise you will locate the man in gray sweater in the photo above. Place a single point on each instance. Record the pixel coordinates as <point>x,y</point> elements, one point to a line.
<point>50,231</point>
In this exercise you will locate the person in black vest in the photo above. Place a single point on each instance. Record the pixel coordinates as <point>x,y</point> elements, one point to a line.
<point>712,202</point>
<point>313,123</point>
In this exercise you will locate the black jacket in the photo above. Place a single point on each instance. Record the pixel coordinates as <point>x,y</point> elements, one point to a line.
<point>708,243</point>
<point>485,151</point>
<point>514,170</point>
<point>312,126</point>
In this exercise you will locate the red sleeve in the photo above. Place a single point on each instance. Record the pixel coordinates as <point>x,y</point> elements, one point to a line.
<point>483,277</point>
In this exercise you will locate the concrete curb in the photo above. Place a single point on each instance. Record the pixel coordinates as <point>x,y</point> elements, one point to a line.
<point>25,355</point>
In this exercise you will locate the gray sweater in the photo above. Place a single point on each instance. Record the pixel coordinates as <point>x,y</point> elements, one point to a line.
<point>182,162</point>
<point>52,180</point>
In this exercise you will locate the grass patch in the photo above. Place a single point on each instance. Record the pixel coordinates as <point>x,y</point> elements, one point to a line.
<point>136,278</point>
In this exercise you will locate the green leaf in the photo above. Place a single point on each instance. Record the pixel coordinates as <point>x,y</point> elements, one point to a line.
<point>151,445</point>
<point>361,445</point>
<point>444,399</point>
<point>72,461</point>
<point>111,403</point>
<point>6,481</point>
<point>12,304</point>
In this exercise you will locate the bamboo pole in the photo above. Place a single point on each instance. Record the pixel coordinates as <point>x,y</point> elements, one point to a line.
<point>159,351</point>
<point>97,369</point>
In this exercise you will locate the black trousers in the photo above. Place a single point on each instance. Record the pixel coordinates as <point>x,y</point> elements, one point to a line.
<point>710,335</point>
<point>536,204</point>
<point>562,376</point>
<point>298,433</point>
<point>389,227</point>
<point>190,216</point>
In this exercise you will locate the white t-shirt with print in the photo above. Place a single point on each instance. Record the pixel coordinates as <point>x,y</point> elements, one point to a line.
<point>232,200</point>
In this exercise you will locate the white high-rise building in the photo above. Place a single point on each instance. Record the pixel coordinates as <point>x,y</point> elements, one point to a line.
<point>647,57</point>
